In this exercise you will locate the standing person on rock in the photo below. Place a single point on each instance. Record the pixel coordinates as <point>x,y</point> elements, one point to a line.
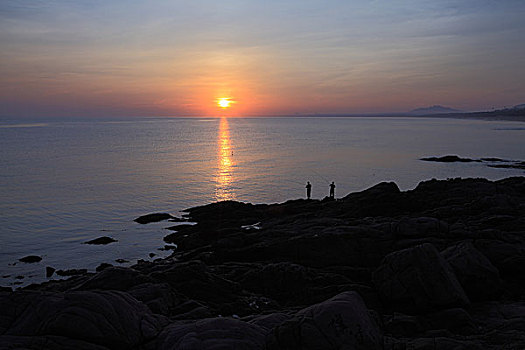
<point>332,190</point>
<point>308,189</point>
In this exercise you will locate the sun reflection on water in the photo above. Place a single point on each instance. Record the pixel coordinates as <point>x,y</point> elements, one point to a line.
<point>224,178</point>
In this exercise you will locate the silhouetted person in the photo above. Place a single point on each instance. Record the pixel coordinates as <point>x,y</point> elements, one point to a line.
<point>308,189</point>
<point>332,190</point>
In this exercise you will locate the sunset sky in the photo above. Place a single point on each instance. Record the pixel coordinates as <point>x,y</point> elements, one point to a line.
<point>170,58</point>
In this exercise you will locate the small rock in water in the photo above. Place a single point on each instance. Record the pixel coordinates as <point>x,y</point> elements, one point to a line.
<point>155,217</point>
<point>50,271</point>
<point>30,259</point>
<point>168,247</point>
<point>101,240</point>
<point>121,261</point>
<point>71,272</point>
<point>19,277</point>
<point>103,266</point>
<point>151,255</point>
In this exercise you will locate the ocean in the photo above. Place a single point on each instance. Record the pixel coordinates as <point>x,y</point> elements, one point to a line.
<point>65,182</point>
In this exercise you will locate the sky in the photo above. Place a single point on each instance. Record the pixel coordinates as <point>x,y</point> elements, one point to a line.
<point>272,57</point>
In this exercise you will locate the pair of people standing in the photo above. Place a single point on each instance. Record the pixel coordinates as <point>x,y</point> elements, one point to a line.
<point>309,190</point>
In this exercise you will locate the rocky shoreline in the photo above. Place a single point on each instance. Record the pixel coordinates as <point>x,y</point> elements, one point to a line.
<point>437,267</point>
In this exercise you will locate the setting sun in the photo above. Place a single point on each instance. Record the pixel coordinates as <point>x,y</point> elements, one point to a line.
<point>224,102</point>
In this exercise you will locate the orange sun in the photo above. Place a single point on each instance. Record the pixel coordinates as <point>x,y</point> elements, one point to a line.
<point>224,102</point>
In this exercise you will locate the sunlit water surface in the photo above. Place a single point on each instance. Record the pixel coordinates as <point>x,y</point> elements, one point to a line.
<point>66,182</point>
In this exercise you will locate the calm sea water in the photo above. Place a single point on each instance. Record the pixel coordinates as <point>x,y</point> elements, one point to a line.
<point>67,182</point>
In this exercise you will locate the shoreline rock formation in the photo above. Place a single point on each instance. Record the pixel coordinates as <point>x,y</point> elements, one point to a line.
<point>440,266</point>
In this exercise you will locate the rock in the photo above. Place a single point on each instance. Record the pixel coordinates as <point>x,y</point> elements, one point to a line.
<point>151,255</point>
<point>101,240</point>
<point>115,278</point>
<point>30,259</point>
<point>342,322</point>
<point>281,281</point>
<point>49,342</point>
<point>457,321</point>
<point>159,297</point>
<point>212,333</point>
<point>50,271</point>
<point>442,343</point>
<point>196,281</point>
<point>478,277</point>
<point>71,272</point>
<point>449,159</point>
<point>103,266</point>
<point>420,278</point>
<point>420,227</point>
<point>121,261</point>
<point>155,217</point>
<point>109,319</point>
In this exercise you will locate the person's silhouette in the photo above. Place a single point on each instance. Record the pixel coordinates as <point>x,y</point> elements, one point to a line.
<point>332,190</point>
<point>308,189</point>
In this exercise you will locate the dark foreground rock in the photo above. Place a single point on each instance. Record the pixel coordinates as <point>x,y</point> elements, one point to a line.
<point>437,267</point>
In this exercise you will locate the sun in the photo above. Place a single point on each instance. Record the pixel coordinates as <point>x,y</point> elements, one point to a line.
<point>224,102</point>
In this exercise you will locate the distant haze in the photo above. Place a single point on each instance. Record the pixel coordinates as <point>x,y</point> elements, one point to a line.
<point>168,58</point>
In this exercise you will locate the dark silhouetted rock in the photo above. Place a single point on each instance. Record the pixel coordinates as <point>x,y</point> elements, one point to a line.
<point>71,272</point>
<point>449,159</point>
<point>103,266</point>
<point>342,322</point>
<point>101,240</point>
<point>30,259</point>
<point>479,278</point>
<point>418,277</point>
<point>115,278</point>
<point>155,217</point>
<point>50,271</point>
<point>121,261</point>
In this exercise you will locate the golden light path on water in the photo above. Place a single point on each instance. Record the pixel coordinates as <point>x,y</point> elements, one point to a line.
<point>224,178</point>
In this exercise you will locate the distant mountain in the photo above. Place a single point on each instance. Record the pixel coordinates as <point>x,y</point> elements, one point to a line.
<point>433,110</point>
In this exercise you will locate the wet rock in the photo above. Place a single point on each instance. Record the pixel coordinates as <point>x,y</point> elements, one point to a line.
<point>418,278</point>
<point>121,261</point>
<point>30,259</point>
<point>478,277</point>
<point>342,322</point>
<point>50,271</point>
<point>155,217</point>
<point>101,240</point>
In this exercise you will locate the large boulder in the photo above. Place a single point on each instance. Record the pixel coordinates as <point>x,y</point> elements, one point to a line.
<point>107,318</point>
<point>212,333</point>
<point>419,278</point>
<point>342,322</point>
<point>479,278</point>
